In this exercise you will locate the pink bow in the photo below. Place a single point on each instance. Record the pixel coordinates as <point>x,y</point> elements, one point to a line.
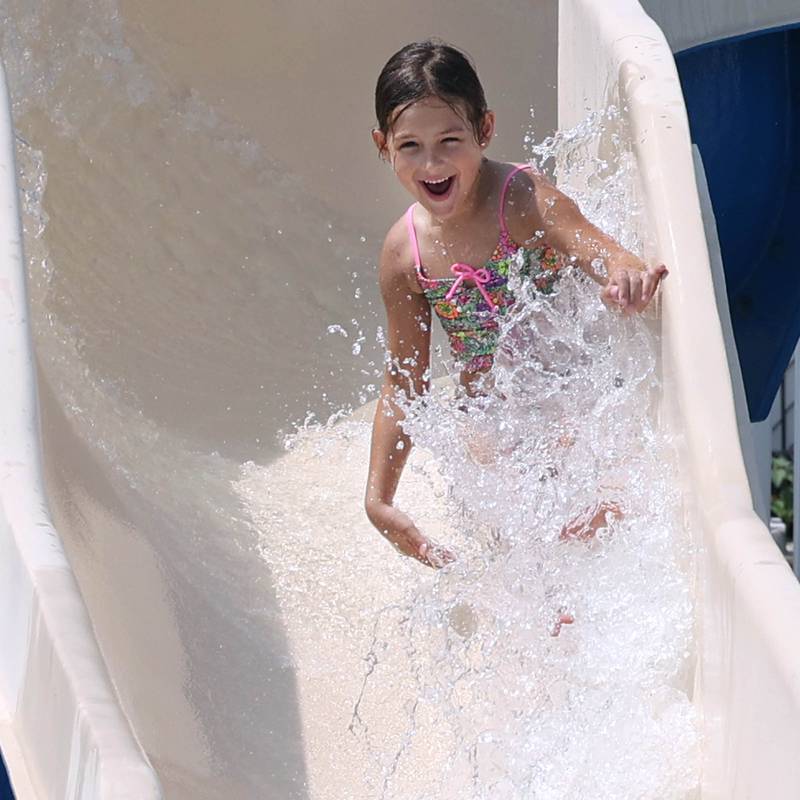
<point>466,272</point>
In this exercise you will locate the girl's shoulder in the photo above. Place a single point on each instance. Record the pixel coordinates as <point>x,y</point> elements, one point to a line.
<point>398,262</point>
<point>526,196</point>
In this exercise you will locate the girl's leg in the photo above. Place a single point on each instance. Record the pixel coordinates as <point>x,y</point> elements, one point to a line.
<point>583,528</point>
<point>586,525</point>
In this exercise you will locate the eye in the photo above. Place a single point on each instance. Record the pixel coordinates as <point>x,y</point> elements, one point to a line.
<point>451,139</point>
<point>407,145</point>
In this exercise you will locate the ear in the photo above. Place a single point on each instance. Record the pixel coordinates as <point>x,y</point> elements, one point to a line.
<point>487,129</point>
<point>380,143</point>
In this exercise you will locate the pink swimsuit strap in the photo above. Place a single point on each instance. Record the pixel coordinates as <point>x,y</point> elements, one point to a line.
<point>412,233</point>
<point>501,214</point>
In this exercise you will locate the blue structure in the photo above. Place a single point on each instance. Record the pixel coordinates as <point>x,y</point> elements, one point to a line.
<point>5,784</point>
<point>743,100</point>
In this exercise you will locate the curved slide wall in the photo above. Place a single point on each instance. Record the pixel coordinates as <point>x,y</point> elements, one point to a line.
<point>62,732</point>
<point>748,676</point>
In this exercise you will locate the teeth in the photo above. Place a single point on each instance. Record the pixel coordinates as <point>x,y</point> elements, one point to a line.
<point>441,180</point>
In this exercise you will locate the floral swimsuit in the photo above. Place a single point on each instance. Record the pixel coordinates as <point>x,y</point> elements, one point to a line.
<point>469,314</point>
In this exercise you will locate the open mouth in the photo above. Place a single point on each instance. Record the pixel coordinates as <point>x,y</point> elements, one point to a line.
<point>439,189</point>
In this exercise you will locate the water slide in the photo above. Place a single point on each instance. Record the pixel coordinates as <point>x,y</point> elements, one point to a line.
<point>144,624</point>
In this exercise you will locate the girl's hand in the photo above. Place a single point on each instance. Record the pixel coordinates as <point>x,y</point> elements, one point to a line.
<point>435,555</point>
<point>398,528</point>
<point>632,289</point>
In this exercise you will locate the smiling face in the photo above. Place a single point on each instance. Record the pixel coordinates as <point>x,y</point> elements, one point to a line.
<point>435,155</point>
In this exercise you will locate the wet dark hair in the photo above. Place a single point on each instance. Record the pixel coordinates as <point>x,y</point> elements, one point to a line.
<point>431,68</point>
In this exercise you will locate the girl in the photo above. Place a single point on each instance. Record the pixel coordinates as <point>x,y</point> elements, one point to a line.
<point>433,129</point>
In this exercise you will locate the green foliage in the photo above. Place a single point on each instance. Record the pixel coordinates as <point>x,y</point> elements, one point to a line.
<point>783,488</point>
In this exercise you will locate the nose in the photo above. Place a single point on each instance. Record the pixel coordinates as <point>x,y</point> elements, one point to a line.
<point>432,158</point>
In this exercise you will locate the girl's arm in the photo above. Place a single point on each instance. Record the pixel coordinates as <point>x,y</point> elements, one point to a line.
<point>408,318</point>
<point>631,283</point>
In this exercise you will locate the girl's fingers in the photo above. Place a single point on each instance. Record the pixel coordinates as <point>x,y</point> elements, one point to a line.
<point>434,555</point>
<point>439,556</point>
<point>609,295</point>
<point>623,282</point>
<point>652,278</point>
<point>633,290</point>
<point>658,274</point>
<point>649,283</point>
<point>635,297</point>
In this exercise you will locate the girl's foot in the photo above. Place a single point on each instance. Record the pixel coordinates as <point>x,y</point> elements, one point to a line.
<point>564,618</point>
<point>586,525</point>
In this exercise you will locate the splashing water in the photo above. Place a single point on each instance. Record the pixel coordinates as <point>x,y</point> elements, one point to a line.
<point>463,689</point>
